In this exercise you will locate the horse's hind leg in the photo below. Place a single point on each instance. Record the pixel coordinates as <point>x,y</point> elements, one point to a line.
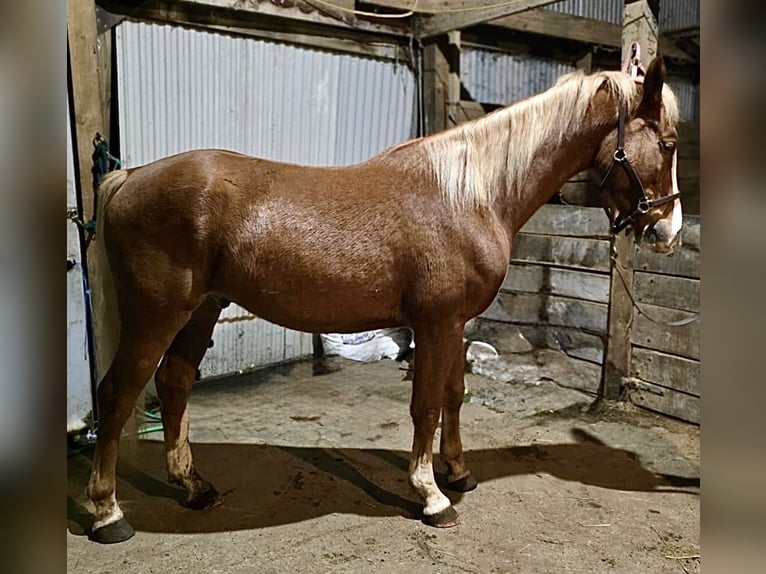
<point>451,447</point>
<point>321,363</point>
<point>144,336</point>
<point>437,348</point>
<point>174,380</point>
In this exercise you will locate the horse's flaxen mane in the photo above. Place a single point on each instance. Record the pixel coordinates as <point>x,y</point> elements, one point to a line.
<point>472,161</point>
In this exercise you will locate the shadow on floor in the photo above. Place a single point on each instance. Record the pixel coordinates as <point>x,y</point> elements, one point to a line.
<point>271,485</point>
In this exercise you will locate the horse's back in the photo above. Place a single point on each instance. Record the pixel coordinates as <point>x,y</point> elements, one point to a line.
<point>296,245</point>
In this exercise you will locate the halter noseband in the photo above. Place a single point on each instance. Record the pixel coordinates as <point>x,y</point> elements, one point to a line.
<point>643,203</point>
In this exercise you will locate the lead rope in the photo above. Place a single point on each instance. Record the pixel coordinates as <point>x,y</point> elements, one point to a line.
<point>679,323</point>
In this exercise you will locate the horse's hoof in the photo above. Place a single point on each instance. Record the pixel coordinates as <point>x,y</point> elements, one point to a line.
<point>114,532</point>
<point>447,518</point>
<point>206,499</point>
<point>465,484</point>
<point>324,367</point>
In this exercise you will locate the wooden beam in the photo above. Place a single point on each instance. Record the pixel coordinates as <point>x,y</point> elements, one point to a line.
<point>638,25</point>
<point>558,25</point>
<point>252,14</point>
<point>380,50</point>
<point>578,29</point>
<point>464,16</point>
<point>342,10</point>
<point>237,17</point>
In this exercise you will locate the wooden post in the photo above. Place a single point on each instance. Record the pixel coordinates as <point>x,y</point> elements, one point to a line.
<point>89,65</point>
<point>639,25</point>
<point>86,91</point>
<point>104,50</point>
<point>586,62</point>
<point>436,80</point>
<point>453,84</point>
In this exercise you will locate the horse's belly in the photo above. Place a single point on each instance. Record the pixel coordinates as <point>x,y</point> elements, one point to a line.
<point>322,312</point>
<point>317,302</point>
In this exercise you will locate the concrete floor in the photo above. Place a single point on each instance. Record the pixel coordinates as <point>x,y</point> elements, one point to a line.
<point>315,471</point>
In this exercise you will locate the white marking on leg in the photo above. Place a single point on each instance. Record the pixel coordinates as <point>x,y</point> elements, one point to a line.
<point>112,511</point>
<point>422,480</point>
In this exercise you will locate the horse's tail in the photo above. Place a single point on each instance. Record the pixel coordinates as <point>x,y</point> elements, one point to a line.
<point>105,311</point>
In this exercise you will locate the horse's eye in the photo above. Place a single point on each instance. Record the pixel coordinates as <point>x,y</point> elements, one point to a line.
<point>668,145</point>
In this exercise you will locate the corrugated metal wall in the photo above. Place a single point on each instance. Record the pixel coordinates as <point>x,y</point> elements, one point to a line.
<point>500,78</point>
<point>679,14</point>
<point>686,92</point>
<point>608,10</point>
<point>674,14</point>
<point>182,89</point>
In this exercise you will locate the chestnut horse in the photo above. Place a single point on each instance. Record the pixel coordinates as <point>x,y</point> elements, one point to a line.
<point>419,235</point>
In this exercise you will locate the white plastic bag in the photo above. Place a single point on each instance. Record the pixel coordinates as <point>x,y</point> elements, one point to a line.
<point>368,346</point>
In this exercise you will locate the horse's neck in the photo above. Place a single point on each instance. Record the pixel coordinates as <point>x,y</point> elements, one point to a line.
<point>552,165</point>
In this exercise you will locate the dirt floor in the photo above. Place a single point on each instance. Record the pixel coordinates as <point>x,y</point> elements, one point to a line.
<point>315,471</point>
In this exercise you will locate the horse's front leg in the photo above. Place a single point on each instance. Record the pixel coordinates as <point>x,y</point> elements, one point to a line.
<point>437,347</point>
<point>451,447</point>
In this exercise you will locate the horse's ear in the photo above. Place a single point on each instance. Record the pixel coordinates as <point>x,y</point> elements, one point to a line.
<point>651,101</point>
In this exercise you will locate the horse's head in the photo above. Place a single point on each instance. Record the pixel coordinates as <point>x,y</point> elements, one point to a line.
<point>639,182</point>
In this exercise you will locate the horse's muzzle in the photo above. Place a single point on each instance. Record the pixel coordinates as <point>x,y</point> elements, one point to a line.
<point>661,237</point>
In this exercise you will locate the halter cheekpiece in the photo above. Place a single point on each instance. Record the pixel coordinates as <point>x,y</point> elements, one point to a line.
<point>643,204</point>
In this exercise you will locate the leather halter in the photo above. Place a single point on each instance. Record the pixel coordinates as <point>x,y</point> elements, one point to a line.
<point>643,203</point>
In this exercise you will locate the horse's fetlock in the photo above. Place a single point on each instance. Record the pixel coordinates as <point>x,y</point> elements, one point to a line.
<point>98,491</point>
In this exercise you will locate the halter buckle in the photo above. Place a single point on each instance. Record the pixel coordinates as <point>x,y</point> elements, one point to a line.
<point>643,206</point>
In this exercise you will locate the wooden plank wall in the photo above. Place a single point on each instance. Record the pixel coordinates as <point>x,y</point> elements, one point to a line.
<point>556,293</point>
<point>665,361</point>
<point>556,290</point>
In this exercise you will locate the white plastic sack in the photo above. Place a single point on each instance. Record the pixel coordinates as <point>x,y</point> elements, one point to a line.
<point>368,346</point>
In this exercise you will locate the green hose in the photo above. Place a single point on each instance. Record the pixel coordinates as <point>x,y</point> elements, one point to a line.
<point>141,432</point>
<point>152,416</point>
<point>145,431</point>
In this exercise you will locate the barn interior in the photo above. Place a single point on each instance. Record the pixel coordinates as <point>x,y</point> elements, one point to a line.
<point>581,414</point>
